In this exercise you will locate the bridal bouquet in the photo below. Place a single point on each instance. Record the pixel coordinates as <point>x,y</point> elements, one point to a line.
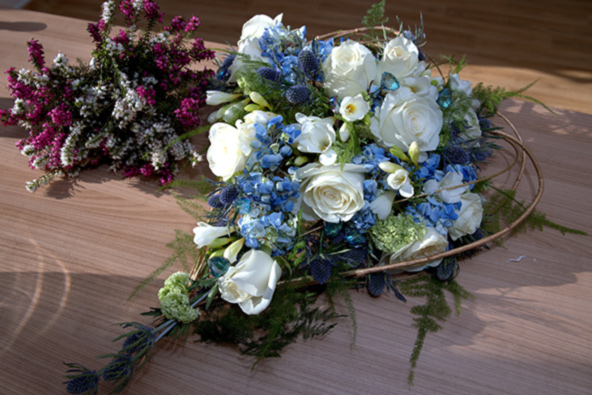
<point>127,108</point>
<point>342,162</point>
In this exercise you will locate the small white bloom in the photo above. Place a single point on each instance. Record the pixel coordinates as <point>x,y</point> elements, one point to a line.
<point>206,234</point>
<point>354,108</point>
<point>399,181</point>
<point>473,130</point>
<point>469,218</point>
<point>456,84</point>
<point>214,98</point>
<point>251,283</point>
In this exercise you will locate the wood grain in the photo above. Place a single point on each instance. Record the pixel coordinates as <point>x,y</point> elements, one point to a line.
<point>70,255</point>
<point>507,43</point>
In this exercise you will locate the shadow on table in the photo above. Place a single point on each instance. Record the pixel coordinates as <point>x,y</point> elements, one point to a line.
<point>22,26</point>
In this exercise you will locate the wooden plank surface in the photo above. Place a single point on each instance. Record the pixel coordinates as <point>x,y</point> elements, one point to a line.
<point>509,43</point>
<point>71,253</point>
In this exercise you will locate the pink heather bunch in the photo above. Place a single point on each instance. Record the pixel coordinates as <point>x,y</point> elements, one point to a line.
<point>126,109</point>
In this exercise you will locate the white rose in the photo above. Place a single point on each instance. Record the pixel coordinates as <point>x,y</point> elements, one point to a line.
<point>405,117</point>
<point>400,58</point>
<point>224,155</point>
<point>469,218</point>
<point>255,27</point>
<point>330,192</point>
<point>251,283</point>
<point>432,243</point>
<point>354,108</point>
<point>349,70</point>
<point>452,180</point>
<point>205,234</point>
<point>317,136</point>
<point>248,44</point>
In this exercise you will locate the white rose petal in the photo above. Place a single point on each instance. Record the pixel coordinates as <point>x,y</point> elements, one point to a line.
<point>432,243</point>
<point>469,218</point>
<point>224,155</point>
<point>251,283</point>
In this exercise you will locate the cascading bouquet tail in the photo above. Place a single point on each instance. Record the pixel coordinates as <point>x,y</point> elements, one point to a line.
<point>127,108</point>
<point>342,163</point>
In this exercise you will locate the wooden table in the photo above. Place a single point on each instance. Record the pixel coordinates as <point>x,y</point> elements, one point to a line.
<point>71,253</point>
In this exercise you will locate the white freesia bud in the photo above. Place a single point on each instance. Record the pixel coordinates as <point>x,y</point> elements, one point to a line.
<point>231,252</point>
<point>258,99</point>
<point>354,108</point>
<point>205,234</point>
<point>214,98</point>
<point>383,205</point>
<point>251,283</point>
<point>389,167</point>
<point>414,152</point>
<point>399,181</point>
<point>344,133</point>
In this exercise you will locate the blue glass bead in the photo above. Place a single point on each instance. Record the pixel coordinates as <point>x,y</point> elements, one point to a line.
<point>445,98</point>
<point>218,266</point>
<point>389,82</point>
<point>355,239</point>
<point>331,229</point>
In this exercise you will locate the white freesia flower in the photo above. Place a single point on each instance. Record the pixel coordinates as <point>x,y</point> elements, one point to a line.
<point>354,108</point>
<point>251,283</point>
<point>247,131</point>
<point>473,130</point>
<point>383,205</point>
<point>224,155</point>
<point>214,98</point>
<point>469,218</point>
<point>205,234</point>
<point>317,136</point>
<point>452,180</point>
<point>330,192</point>
<point>399,181</point>
<point>456,84</point>
<point>405,117</point>
<point>432,243</point>
<point>349,70</point>
<point>400,58</point>
<point>420,86</point>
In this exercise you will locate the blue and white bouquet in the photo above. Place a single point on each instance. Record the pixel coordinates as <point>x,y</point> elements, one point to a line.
<point>341,163</point>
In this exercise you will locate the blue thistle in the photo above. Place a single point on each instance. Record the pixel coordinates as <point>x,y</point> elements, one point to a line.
<point>229,194</point>
<point>270,74</point>
<point>320,269</point>
<point>119,370</point>
<point>456,155</point>
<point>447,269</point>
<point>215,202</point>
<point>139,341</point>
<point>376,283</point>
<point>82,381</point>
<point>297,94</point>
<point>308,63</point>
